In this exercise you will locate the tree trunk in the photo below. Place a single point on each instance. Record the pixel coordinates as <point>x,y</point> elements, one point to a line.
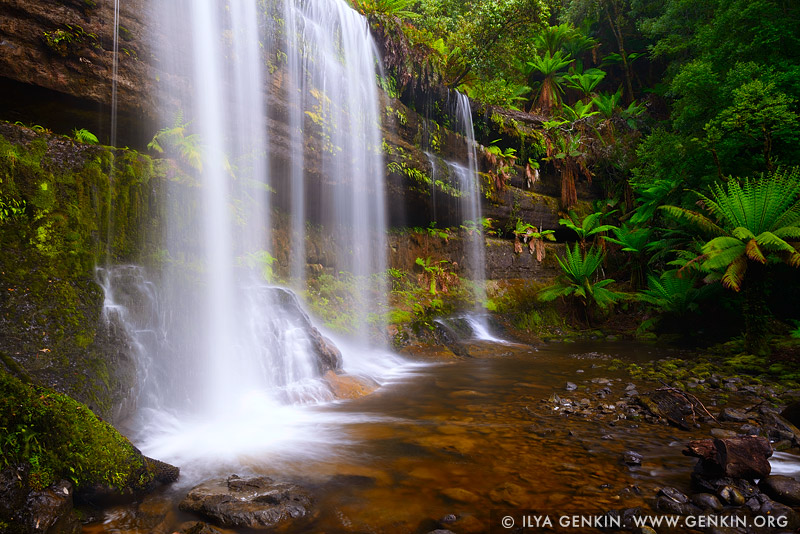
<point>756,312</point>
<point>616,29</point>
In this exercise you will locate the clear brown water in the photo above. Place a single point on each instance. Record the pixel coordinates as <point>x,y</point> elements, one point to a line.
<point>466,437</point>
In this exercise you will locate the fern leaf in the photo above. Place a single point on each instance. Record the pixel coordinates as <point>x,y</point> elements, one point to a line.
<point>753,252</point>
<point>734,274</point>
<point>699,220</point>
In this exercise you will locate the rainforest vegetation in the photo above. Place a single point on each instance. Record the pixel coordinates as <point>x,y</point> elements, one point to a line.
<point>683,117</point>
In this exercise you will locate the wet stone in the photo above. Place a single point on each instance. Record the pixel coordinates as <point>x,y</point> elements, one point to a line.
<point>666,504</point>
<point>731,495</point>
<point>707,501</point>
<point>750,430</point>
<point>673,494</point>
<point>776,509</point>
<point>198,527</point>
<point>783,489</point>
<point>252,502</point>
<point>733,415</point>
<point>460,495</point>
<point>632,458</point>
<point>571,386</point>
<point>721,433</point>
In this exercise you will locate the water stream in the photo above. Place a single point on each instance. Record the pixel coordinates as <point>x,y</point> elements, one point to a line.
<point>464,437</point>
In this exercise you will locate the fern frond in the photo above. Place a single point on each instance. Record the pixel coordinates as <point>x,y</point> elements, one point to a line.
<point>698,219</point>
<point>753,252</point>
<point>734,274</point>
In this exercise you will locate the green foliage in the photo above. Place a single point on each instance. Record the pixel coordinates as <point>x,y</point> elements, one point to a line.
<point>177,138</point>
<point>262,260</point>
<point>548,67</point>
<point>62,439</point>
<point>588,227</point>
<point>577,282</point>
<point>69,40</point>
<point>675,295</point>
<point>11,208</point>
<point>533,237</point>
<point>395,8</point>
<point>757,223</point>
<point>85,136</point>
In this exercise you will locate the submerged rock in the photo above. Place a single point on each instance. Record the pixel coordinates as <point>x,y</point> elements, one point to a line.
<point>346,386</point>
<point>252,502</point>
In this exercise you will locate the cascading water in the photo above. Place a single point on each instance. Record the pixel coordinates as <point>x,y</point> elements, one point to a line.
<point>235,349</point>
<point>471,199</point>
<point>464,174</point>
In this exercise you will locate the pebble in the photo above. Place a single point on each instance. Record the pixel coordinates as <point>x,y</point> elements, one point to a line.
<point>632,458</point>
<point>571,386</point>
<point>731,495</point>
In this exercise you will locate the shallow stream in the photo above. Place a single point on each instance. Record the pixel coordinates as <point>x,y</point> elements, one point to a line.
<point>469,437</point>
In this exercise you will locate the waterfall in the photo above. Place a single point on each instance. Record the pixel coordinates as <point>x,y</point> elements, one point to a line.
<point>227,330</point>
<point>471,197</point>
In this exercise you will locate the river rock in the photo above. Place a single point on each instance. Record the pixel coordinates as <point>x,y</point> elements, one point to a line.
<point>571,386</point>
<point>707,501</point>
<point>460,495</point>
<point>731,495</point>
<point>673,494</point>
<point>780,428</point>
<point>734,415</point>
<point>783,489</point>
<point>632,458</point>
<point>198,527</point>
<point>251,502</point>
<point>13,490</point>
<point>346,386</point>
<point>792,413</point>
<point>50,510</point>
<point>738,457</point>
<point>722,433</point>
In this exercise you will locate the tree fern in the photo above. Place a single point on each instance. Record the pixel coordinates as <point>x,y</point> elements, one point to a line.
<point>755,222</point>
<point>576,281</point>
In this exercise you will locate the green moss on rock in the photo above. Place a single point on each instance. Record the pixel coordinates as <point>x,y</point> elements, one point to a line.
<point>61,438</point>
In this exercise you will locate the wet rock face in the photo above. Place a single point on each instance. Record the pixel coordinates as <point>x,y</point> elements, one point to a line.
<point>252,502</point>
<point>328,356</point>
<point>66,47</point>
<point>50,510</point>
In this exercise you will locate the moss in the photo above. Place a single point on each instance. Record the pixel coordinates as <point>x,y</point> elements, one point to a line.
<point>81,203</point>
<point>62,439</point>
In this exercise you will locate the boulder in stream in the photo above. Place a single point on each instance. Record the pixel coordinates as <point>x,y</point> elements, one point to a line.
<point>249,502</point>
<point>738,457</point>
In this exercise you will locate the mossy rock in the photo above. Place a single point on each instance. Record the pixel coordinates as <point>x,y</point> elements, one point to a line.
<point>61,438</point>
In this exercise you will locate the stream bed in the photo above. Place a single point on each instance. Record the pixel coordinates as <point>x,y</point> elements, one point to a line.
<point>464,440</point>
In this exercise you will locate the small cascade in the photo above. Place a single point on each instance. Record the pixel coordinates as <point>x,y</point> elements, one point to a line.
<point>463,174</point>
<point>132,305</point>
<point>471,206</point>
